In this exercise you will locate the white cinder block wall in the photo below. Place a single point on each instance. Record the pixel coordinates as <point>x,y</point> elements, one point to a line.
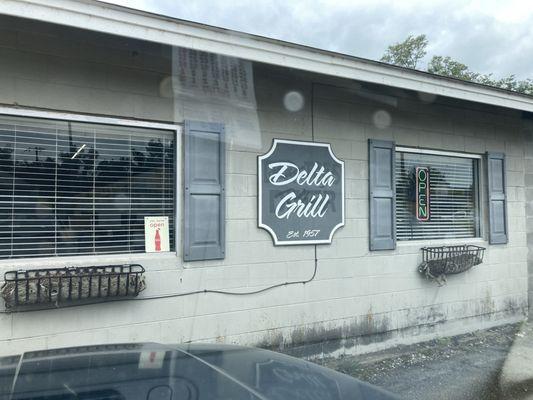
<point>358,297</point>
<point>528,169</point>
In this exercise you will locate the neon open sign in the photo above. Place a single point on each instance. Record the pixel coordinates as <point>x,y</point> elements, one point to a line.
<point>422,193</point>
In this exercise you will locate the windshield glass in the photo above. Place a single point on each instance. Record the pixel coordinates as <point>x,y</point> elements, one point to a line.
<point>166,184</point>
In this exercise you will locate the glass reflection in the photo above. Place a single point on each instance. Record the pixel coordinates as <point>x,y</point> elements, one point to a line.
<point>81,188</point>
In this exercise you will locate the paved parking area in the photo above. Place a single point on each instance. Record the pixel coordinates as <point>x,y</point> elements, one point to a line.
<point>496,363</point>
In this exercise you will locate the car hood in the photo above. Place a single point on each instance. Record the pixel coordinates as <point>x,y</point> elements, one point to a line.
<point>156,371</point>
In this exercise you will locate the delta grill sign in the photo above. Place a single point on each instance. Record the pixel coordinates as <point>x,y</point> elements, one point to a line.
<point>422,193</point>
<point>301,192</point>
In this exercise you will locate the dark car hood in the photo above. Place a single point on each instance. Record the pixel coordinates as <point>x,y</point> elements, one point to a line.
<point>155,371</point>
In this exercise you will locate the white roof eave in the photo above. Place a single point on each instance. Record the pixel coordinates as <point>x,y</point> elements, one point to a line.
<point>116,20</point>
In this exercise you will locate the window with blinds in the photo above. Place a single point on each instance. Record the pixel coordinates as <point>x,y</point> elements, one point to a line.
<point>69,188</point>
<point>453,197</point>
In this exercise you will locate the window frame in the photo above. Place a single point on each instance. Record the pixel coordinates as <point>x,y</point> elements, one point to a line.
<point>177,132</point>
<point>479,184</point>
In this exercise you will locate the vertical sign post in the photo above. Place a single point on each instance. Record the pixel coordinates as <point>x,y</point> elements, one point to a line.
<point>422,194</point>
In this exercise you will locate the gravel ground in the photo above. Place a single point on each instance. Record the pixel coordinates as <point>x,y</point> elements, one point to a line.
<point>460,367</point>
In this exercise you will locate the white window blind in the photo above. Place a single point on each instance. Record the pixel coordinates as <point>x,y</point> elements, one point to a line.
<point>453,194</point>
<point>69,188</point>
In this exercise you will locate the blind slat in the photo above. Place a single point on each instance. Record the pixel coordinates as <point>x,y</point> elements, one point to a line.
<point>82,190</point>
<point>452,197</point>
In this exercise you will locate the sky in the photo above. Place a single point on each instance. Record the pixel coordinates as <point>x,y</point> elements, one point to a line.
<point>489,36</point>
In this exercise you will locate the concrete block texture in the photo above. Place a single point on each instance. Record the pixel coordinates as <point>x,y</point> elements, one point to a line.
<point>527,149</point>
<point>355,293</point>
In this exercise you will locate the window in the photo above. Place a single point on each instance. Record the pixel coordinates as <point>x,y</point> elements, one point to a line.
<point>69,188</point>
<point>449,209</point>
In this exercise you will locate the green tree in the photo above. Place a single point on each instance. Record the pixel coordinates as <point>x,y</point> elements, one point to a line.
<point>447,66</point>
<point>407,53</point>
<point>525,86</point>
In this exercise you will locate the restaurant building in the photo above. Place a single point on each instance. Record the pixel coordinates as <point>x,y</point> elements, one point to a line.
<point>167,181</point>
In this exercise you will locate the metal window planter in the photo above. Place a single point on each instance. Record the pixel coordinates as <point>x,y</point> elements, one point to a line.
<point>58,286</point>
<point>439,261</point>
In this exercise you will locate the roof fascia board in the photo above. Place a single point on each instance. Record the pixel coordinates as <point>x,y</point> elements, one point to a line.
<point>135,24</point>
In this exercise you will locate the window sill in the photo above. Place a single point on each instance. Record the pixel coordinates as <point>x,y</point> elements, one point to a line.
<point>81,260</point>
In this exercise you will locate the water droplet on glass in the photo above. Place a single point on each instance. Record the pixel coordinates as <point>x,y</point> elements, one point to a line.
<point>293,101</point>
<point>382,119</point>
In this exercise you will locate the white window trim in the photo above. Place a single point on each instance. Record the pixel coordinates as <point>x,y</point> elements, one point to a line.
<point>53,261</point>
<point>418,150</point>
<point>95,119</point>
<point>480,235</point>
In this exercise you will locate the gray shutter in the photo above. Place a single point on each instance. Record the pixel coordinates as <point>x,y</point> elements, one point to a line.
<point>382,188</point>
<point>204,235</point>
<point>497,198</point>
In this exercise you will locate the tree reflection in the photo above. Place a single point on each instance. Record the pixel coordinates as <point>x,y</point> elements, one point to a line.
<point>90,201</point>
<point>452,205</point>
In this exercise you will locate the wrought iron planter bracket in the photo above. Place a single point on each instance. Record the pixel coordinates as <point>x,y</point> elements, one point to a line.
<point>439,261</point>
<point>57,286</point>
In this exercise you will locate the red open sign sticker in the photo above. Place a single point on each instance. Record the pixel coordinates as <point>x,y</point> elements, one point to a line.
<point>156,234</point>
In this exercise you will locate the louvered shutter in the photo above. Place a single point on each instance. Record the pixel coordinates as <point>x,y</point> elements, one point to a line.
<point>382,195</point>
<point>204,191</point>
<point>497,198</point>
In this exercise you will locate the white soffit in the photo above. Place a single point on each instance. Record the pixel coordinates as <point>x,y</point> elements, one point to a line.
<point>112,19</point>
